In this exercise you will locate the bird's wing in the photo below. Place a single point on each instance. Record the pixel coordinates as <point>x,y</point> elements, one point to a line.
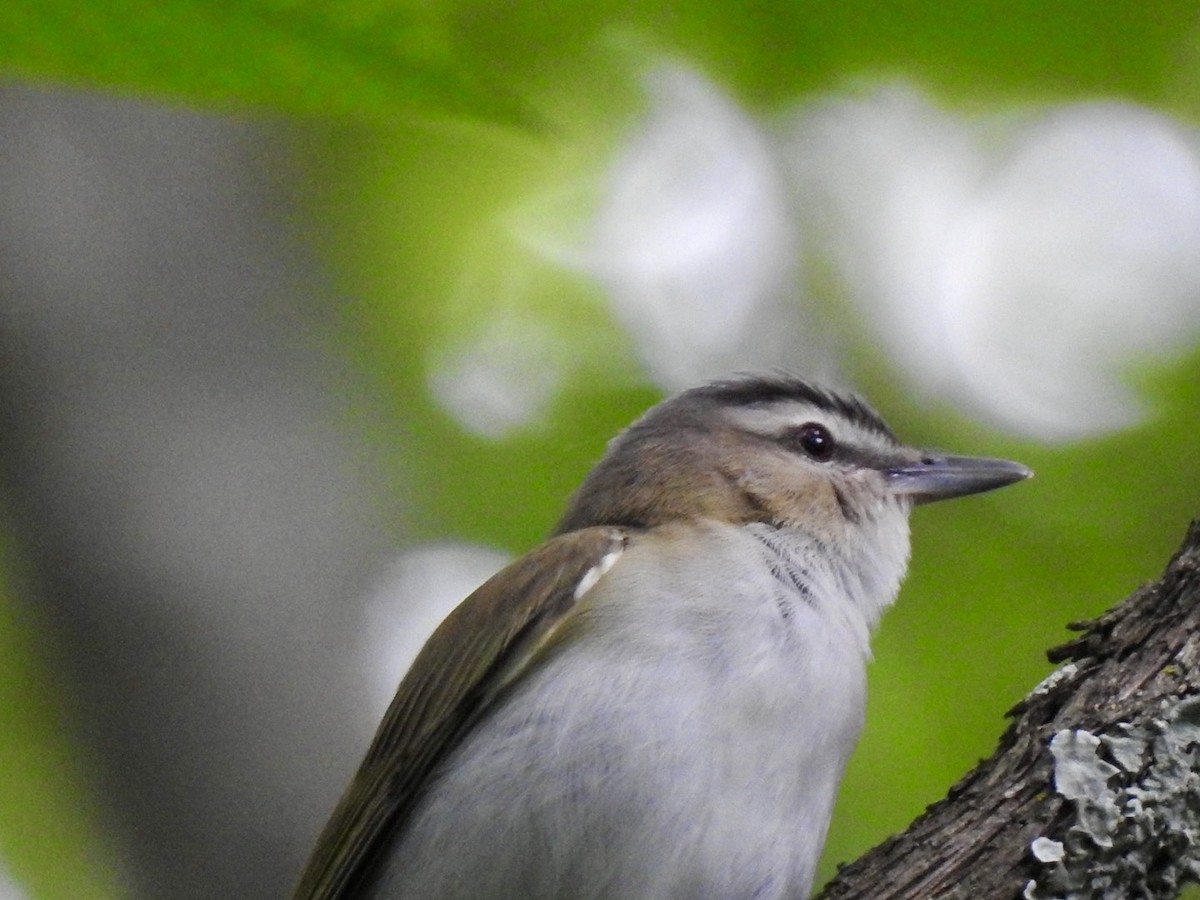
<point>488,641</point>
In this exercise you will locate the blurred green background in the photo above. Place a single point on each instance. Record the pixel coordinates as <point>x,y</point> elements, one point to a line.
<point>403,140</point>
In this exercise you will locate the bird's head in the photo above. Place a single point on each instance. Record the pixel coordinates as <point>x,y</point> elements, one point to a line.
<point>776,450</point>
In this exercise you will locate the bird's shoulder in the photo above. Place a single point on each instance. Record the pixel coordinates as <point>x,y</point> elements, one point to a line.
<point>487,642</point>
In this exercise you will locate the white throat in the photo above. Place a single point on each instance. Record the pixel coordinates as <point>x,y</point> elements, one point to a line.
<point>851,585</point>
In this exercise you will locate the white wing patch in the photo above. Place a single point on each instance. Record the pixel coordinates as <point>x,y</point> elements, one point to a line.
<point>520,660</point>
<point>596,572</point>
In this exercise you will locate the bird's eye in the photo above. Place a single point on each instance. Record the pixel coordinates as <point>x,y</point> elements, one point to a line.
<point>815,440</point>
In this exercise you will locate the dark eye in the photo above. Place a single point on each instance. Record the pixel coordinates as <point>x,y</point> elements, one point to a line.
<point>815,440</point>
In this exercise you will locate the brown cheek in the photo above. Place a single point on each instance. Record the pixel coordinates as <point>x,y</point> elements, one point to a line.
<point>778,492</point>
<point>813,503</point>
<point>823,502</point>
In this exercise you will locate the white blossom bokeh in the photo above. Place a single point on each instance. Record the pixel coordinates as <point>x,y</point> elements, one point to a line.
<point>502,376</point>
<point>9,889</point>
<point>695,243</point>
<point>1015,264</point>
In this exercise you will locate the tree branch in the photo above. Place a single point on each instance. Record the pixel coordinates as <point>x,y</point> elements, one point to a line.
<point>1094,789</point>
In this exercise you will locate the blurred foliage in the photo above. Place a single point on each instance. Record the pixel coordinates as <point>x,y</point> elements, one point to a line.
<point>48,839</point>
<point>359,59</point>
<point>427,127</point>
<point>378,61</point>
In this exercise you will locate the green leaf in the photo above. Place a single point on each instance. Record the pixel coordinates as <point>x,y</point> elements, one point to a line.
<point>376,61</point>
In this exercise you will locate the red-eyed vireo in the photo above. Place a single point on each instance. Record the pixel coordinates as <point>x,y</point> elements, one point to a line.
<point>657,702</point>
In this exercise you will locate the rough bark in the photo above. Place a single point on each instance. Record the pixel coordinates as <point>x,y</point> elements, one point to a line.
<point>1094,789</point>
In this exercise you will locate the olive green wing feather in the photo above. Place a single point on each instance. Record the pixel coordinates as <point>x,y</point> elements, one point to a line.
<point>488,641</point>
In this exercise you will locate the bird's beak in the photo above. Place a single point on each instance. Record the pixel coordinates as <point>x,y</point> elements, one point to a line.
<point>936,477</point>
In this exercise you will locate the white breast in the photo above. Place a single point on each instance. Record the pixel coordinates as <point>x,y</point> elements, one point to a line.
<point>687,742</point>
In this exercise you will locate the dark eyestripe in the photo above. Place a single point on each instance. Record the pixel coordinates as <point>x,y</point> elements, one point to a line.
<point>763,391</point>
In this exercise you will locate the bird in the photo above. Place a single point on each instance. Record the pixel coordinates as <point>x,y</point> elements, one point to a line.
<point>659,700</point>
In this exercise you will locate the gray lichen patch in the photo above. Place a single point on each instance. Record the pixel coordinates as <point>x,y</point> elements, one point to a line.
<point>1135,825</point>
<point>1046,850</point>
<point>1054,679</point>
